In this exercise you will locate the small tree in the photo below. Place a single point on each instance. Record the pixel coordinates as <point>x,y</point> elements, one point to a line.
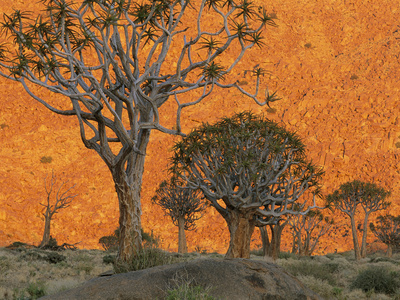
<point>356,193</point>
<point>108,63</point>
<point>307,230</point>
<point>54,202</point>
<point>185,206</point>
<point>387,230</point>
<point>249,169</point>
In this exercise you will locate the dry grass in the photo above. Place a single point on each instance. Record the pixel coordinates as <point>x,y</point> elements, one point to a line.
<point>26,275</point>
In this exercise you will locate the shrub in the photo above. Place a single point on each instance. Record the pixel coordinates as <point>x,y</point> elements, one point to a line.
<point>46,159</point>
<point>311,268</point>
<point>36,290</point>
<point>377,278</point>
<point>55,258</point>
<point>109,259</point>
<point>110,242</point>
<point>146,258</point>
<point>188,292</point>
<point>321,287</point>
<point>287,255</point>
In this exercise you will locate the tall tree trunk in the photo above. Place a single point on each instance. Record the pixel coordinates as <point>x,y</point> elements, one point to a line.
<point>241,228</point>
<point>278,237</point>
<point>182,246</point>
<point>46,232</point>
<point>357,251</point>
<point>364,237</point>
<point>127,176</point>
<point>265,241</point>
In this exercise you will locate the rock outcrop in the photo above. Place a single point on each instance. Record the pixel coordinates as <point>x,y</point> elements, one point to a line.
<point>225,279</point>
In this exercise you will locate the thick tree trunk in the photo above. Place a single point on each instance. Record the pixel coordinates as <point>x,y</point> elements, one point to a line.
<point>357,251</point>
<point>182,246</point>
<point>364,237</point>
<point>127,175</point>
<point>266,245</point>
<point>241,228</point>
<point>46,233</point>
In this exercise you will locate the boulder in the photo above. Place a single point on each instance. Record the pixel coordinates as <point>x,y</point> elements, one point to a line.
<point>224,279</point>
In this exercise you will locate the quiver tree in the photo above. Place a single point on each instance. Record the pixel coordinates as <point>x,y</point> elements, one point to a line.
<point>349,197</point>
<point>110,64</point>
<point>185,206</point>
<point>271,241</point>
<point>387,230</point>
<point>307,229</point>
<point>56,199</point>
<point>249,169</point>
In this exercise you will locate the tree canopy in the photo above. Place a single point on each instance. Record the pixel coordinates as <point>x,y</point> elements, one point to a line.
<point>116,62</point>
<point>247,166</point>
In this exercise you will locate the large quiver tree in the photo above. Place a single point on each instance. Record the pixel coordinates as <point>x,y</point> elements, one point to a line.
<point>249,169</point>
<point>109,61</point>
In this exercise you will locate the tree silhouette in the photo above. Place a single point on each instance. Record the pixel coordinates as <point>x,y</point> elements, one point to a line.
<point>349,197</point>
<point>307,230</point>
<point>249,169</point>
<point>185,206</point>
<point>387,230</point>
<point>56,199</point>
<point>108,63</point>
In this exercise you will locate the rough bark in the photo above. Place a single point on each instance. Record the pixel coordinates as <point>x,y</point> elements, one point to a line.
<point>357,251</point>
<point>182,246</point>
<point>46,232</point>
<point>241,229</point>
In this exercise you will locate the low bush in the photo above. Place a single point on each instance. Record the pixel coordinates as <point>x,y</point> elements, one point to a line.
<point>109,259</point>
<point>378,279</point>
<point>54,258</point>
<point>36,290</point>
<point>189,292</point>
<point>146,258</point>
<point>311,268</point>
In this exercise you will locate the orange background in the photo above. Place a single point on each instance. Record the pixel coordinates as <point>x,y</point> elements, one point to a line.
<point>334,63</point>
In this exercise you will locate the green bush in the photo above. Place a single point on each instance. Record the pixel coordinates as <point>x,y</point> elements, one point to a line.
<point>378,279</point>
<point>323,271</point>
<point>287,255</point>
<point>188,292</point>
<point>36,290</point>
<point>109,259</point>
<point>146,258</point>
<point>54,258</point>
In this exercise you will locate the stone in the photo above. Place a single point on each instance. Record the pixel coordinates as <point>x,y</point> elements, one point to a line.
<point>223,278</point>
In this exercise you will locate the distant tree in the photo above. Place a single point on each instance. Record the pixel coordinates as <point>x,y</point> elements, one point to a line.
<point>387,230</point>
<point>249,169</point>
<point>271,241</point>
<point>353,194</point>
<point>307,229</point>
<point>108,63</point>
<point>56,199</point>
<point>185,206</point>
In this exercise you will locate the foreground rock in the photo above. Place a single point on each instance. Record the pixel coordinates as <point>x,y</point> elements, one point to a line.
<point>226,279</point>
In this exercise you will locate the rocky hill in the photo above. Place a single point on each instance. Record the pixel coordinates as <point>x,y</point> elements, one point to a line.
<point>335,63</point>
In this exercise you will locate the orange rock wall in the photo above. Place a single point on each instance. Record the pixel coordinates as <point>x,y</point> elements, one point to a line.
<point>334,63</point>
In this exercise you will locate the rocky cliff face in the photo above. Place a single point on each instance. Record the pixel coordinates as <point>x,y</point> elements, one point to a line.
<point>335,63</point>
